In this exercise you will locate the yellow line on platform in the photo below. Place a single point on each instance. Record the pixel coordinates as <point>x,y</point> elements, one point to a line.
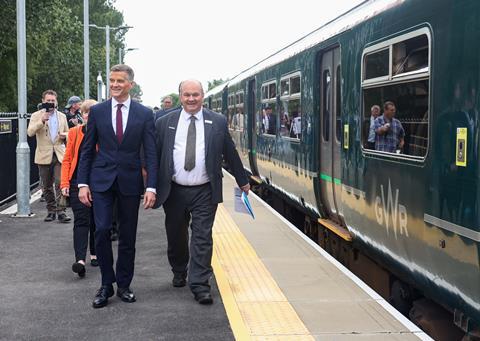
<point>255,305</point>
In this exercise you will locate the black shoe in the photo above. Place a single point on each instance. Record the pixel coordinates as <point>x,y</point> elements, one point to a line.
<point>114,236</point>
<point>63,218</point>
<point>94,262</point>
<point>101,298</point>
<point>178,280</point>
<point>204,298</point>
<point>126,294</point>
<point>79,269</point>
<point>50,217</point>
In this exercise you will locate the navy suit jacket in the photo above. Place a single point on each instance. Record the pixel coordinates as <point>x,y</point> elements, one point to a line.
<point>114,160</point>
<point>219,146</point>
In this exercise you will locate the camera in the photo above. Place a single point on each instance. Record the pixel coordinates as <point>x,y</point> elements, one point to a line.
<point>47,106</point>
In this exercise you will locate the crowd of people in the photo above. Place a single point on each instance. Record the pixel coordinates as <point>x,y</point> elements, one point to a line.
<point>105,156</point>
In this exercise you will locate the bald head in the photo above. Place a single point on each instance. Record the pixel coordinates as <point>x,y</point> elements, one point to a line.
<point>191,95</point>
<point>190,82</point>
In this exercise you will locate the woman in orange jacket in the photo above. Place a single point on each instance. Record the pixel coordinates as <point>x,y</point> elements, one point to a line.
<point>83,221</point>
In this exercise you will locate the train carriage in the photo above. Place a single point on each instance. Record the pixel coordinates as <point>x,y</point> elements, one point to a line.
<point>414,210</point>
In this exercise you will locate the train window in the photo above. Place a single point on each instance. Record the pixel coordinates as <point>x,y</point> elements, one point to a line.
<point>268,117</point>
<point>238,122</point>
<point>290,111</point>
<point>231,110</point>
<point>376,64</point>
<point>338,104</point>
<point>396,108</point>
<point>326,80</point>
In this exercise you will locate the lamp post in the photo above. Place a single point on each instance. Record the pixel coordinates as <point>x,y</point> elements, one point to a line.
<point>107,29</point>
<point>99,86</point>
<point>86,51</point>
<point>121,55</point>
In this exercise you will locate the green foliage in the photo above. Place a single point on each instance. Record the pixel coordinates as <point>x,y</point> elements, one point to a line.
<point>215,82</point>
<point>136,93</point>
<point>55,48</point>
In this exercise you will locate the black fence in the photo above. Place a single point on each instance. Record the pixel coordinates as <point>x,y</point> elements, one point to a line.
<point>8,168</point>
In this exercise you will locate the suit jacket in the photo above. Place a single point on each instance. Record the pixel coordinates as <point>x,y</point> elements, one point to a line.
<point>219,146</point>
<point>45,146</point>
<point>163,112</point>
<point>118,161</point>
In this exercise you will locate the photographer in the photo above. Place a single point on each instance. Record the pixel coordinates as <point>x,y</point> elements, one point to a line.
<point>50,128</point>
<point>72,111</point>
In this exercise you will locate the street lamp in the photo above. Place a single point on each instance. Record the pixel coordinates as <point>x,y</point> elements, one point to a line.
<point>107,29</point>
<point>99,86</point>
<point>120,55</point>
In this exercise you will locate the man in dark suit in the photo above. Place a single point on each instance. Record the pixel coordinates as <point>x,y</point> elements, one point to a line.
<point>119,128</point>
<point>191,144</point>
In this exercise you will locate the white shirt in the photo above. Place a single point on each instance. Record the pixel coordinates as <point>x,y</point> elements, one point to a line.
<point>53,125</point>
<point>198,175</point>
<point>125,109</point>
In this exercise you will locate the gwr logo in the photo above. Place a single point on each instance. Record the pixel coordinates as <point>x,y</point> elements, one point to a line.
<point>391,211</point>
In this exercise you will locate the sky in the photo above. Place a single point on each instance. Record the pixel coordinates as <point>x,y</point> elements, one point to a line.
<point>212,39</point>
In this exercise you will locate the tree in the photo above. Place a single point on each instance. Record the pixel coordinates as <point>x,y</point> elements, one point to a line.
<point>212,84</point>
<point>136,93</point>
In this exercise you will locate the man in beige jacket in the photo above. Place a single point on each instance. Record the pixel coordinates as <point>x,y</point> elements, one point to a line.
<point>51,129</point>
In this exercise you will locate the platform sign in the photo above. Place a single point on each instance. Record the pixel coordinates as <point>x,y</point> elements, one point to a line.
<point>5,126</point>
<point>461,154</point>
<point>345,136</point>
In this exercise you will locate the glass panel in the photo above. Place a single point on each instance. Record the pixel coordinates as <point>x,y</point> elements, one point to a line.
<point>295,85</point>
<point>338,104</point>
<point>241,97</point>
<point>326,82</point>
<point>411,104</point>
<point>285,87</point>
<point>265,92</point>
<point>290,119</point>
<point>376,64</point>
<point>410,55</point>
<point>272,90</point>
<point>239,119</point>
<point>269,119</point>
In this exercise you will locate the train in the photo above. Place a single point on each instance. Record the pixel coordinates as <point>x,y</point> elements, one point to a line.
<point>300,119</point>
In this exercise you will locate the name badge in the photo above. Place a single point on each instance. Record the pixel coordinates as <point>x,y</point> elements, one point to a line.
<point>208,121</point>
<point>173,128</point>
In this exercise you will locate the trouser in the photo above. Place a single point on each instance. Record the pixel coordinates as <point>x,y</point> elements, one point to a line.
<point>83,226</point>
<point>50,176</point>
<point>193,203</point>
<point>127,232</point>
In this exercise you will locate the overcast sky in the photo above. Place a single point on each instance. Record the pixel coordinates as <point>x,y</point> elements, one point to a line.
<point>212,39</point>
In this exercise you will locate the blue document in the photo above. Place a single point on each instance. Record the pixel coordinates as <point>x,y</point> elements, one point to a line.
<point>242,204</point>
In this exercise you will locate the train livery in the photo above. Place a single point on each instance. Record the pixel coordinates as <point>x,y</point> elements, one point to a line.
<point>300,119</point>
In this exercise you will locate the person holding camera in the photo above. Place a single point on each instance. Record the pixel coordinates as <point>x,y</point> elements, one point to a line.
<point>390,135</point>
<point>50,128</point>
<point>72,111</point>
<point>83,221</point>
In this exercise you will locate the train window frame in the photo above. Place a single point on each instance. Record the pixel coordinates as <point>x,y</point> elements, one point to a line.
<point>239,96</point>
<point>287,78</point>
<point>405,78</point>
<point>268,99</point>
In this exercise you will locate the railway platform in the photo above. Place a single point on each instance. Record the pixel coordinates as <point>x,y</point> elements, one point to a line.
<point>271,283</point>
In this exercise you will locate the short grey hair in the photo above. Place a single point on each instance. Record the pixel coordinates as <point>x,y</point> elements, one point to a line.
<point>167,97</point>
<point>124,68</point>
<point>375,107</point>
<point>190,80</point>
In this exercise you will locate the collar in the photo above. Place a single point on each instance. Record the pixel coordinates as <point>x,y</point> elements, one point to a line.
<point>126,104</point>
<point>186,116</point>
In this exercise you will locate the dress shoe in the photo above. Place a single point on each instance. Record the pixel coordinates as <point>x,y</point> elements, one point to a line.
<point>79,269</point>
<point>63,218</point>
<point>94,262</point>
<point>126,295</point>
<point>101,298</point>
<point>50,217</point>
<point>204,298</point>
<point>178,280</point>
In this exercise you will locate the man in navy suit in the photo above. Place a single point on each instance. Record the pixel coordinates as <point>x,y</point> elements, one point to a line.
<point>191,144</point>
<point>109,169</point>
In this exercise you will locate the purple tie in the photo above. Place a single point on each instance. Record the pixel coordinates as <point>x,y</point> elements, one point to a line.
<point>119,123</point>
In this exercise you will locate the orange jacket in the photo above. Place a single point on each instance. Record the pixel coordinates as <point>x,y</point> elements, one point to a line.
<point>70,159</point>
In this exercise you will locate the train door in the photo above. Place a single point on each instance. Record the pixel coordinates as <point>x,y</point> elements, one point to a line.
<point>251,125</point>
<point>330,132</point>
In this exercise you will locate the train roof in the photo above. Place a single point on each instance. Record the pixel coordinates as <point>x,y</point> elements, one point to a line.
<point>342,23</point>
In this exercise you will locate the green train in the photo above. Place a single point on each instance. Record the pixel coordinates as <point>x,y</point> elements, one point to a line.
<point>301,117</point>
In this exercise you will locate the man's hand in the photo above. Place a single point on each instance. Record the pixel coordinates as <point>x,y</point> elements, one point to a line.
<point>85,196</point>
<point>45,116</point>
<point>62,136</point>
<point>66,192</point>
<point>149,199</point>
<point>245,188</point>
